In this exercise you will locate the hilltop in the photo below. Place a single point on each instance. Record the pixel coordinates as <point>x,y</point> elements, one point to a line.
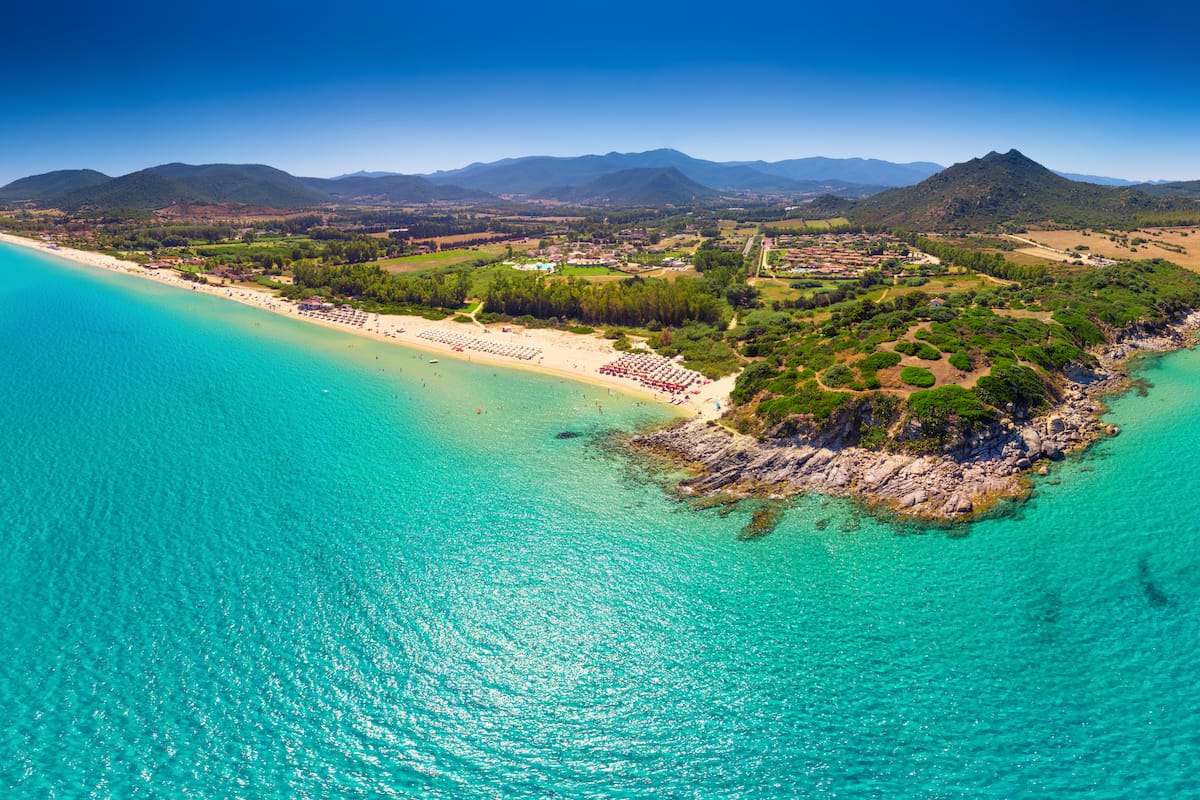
<point>636,187</point>
<point>51,185</point>
<point>145,189</point>
<point>1007,189</point>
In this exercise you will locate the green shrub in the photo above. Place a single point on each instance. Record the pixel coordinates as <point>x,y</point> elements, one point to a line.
<point>936,406</point>
<point>877,361</point>
<point>928,353</point>
<point>961,360</point>
<point>808,398</point>
<point>917,376</point>
<point>906,347</point>
<point>838,375</point>
<point>752,380</point>
<point>1011,383</point>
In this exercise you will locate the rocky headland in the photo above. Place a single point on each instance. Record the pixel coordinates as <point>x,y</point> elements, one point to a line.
<point>966,478</point>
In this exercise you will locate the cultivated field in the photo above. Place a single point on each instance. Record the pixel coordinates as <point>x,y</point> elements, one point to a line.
<point>809,225</point>
<point>446,258</point>
<point>1179,245</point>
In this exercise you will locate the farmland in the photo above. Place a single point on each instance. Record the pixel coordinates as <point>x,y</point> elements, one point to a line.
<point>1179,245</point>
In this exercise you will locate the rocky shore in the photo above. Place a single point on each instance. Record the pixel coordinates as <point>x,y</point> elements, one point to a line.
<point>965,480</point>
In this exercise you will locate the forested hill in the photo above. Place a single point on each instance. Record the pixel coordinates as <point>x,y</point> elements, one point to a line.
<point>51,185</point>
<point>1172,189</point>
<point>1009,189</point>
<point>636,187</point>
<point>391,189</point>
<point>255,185</point>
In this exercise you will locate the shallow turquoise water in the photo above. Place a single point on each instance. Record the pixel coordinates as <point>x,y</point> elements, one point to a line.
<point>242,557</point>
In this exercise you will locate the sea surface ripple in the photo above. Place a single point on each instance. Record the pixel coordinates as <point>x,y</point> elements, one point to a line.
<point>245,558</point>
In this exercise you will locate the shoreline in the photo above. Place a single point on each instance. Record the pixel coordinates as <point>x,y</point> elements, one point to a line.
<point>563,355</point>
<point>962,483</point>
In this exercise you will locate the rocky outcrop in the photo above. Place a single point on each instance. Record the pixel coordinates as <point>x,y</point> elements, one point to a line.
<point>965,480</point>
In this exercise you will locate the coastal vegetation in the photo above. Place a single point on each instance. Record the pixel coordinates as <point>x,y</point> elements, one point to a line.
<point>902,320</point>
<point>986,353</point>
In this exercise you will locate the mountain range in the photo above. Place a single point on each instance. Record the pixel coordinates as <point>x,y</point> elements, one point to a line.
<point>208,184</point>
<point>532,176</point>
<point>984,192</point>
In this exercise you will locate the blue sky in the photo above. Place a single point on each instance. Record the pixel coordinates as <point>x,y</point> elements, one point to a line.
<point>326,88</point>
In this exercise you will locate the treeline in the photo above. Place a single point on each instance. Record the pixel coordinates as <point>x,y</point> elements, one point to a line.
<point>634,301</point>
<point>1167,219</point>
<point>710,258</point>
<point>152,237</point>
<point>370,282</point>
<point>993,264</point>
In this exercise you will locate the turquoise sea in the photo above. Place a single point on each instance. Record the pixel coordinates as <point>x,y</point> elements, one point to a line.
<point>243,557</point>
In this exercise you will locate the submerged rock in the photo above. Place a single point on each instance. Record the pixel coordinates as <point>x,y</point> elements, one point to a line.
<point>763,522</point>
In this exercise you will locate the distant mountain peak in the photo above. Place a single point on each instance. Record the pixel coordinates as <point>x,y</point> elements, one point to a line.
<point>639,186</point>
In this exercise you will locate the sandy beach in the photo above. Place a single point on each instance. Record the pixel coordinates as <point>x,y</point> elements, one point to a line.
<point>568,355</point>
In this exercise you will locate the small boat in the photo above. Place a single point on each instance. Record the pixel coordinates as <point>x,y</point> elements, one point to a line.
<point>433,361</point>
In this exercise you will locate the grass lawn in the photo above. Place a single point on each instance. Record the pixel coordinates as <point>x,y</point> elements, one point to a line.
<point>481,279</point>
<point>587,271</point>
<point>446,258</point>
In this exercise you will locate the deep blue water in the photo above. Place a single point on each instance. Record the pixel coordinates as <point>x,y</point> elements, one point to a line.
<point>243,557</point>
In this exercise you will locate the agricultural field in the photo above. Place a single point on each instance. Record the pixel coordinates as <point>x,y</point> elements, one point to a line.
<point>682,244</point>
<point>446,258</point>
<point>806,225</point>
<point>1179,245</point>
<point>1025,257</point>
<point>942,285</point>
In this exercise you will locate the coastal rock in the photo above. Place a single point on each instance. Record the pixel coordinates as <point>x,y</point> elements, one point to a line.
<point>837,477</point>
<point>958,504</point>
<point>881,472</point>
<point>973,471</point>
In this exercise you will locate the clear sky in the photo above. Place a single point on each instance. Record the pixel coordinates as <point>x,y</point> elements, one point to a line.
<point>326,88</point>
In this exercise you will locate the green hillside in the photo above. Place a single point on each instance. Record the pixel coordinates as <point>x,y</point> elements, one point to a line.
<point>1007,190</point>
<point>50,185</point>
<point>636,187</point>
<point>144,190</point>
<point>244,184</point>
<point>390,189</point>
<point>1173,189</point>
